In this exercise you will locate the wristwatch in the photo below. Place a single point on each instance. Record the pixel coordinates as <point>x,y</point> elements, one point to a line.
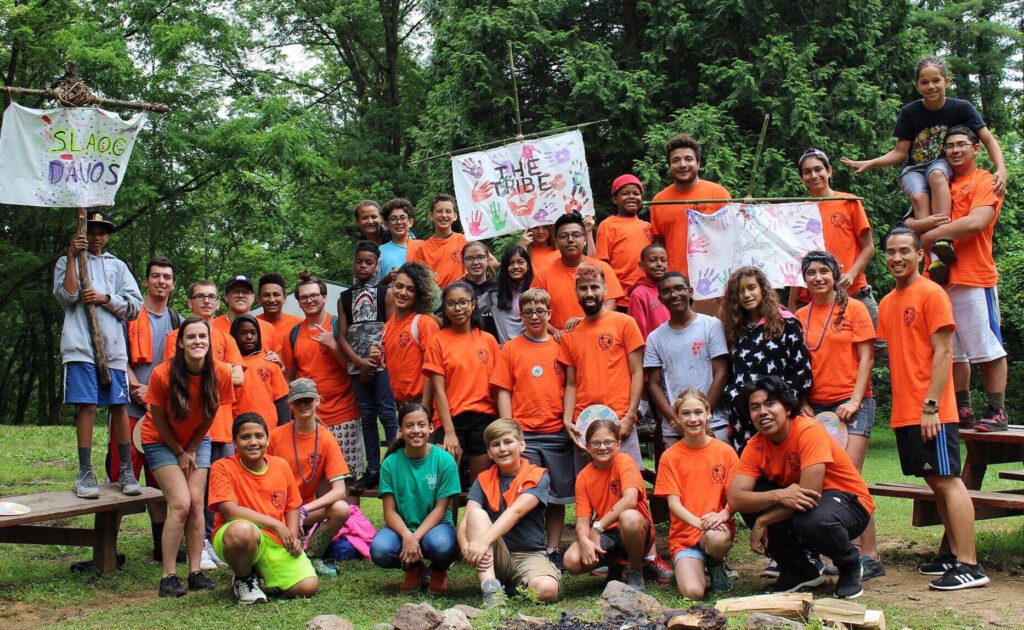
<point>931,407</point>
<point>931,402</point>
<point>597,525</point>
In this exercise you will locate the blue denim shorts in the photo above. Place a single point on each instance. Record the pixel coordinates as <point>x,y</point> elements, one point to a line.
<point>159,455</point>
<point>696,552</point>
<point>914,179</point>
<point>860,423</point>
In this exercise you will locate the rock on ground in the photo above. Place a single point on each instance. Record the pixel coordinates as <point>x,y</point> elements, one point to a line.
<point>619,601</point>
<point>421,616</point>
<point>469,611</point>
<point>764,621</point>
<point>383,626</point>
<point>454,619</point>
<point>697,618</point>
<point>329,622</point>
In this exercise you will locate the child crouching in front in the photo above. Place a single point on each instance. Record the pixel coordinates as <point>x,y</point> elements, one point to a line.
<point>693,476</point>
<point>502,534</point>
<point>256,525</point>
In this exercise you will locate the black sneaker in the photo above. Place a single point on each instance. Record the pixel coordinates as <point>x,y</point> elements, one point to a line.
<point>872,568</point>
<point>792,579</point>
<point>995,419</point>
<point>943,250</point>
<point>199,582</point>
<point>937,565</point>
<point>849,586</point>
<point>368,481</point>
<point>85,566</point>
<point>171,586</point>
<point>772,570</point>
<point>966,417</point>
<point>938,271</point>
<point>960,576</point>
<point>556,559</point>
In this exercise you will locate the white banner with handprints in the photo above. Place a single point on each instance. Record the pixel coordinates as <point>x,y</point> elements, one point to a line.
<point>66,157</point>
<point>523,184</point>
<point>772,237</point>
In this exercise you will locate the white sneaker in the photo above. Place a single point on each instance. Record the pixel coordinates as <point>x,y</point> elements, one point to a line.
<point>209,553</point>
<point>248,590</point>
<point>206,562</point>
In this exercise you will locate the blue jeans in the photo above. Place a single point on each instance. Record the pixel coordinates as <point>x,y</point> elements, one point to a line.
<point>375,400</point>
<point>439,547</point>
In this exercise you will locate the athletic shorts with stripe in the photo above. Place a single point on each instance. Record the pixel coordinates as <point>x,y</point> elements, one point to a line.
<point>977,337</point>
<point>936,457</point>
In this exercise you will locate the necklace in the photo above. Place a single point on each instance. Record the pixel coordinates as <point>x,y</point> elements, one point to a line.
<point>316,451</point>
<point>824,328</point>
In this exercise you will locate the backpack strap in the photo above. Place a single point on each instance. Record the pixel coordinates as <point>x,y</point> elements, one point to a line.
<point>415,328</point>
<point>293,336</point>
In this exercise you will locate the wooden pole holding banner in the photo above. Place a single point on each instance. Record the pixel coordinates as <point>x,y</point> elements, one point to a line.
<point>515,93</point>
<point>99,355</point>
<point>757,156</point>
<point>752,200</point>
<point>95,101</point>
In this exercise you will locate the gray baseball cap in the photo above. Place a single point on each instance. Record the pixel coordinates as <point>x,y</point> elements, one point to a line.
<point>302,388</point>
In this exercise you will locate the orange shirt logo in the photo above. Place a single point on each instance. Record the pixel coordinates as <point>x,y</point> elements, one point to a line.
<point>842,325</point>
<point>455,256</point>
<point>559,370</point>
<point>840,220</point>
<point>483,355</point>
<point>909,314</point>
<point>615,487</point>
<point>604,341</point>
<point>793,459</point>
<point>264,374</point>
<point>718,474</point>
<point>403,339</point>
<point>313,460</point>
<point>277,499</point>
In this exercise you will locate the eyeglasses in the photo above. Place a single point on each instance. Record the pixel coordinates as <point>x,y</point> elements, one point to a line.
<point>565,236</point>
<point>949,146</point>
<point>458,304</point>
<point>205,297</point>
<point>309,298</point>
<point>239,292</point>
<point>537,313</point>
<point>604,444</point>
<point>475,259</point>
<point>398,218</point>
<point>673,290</point>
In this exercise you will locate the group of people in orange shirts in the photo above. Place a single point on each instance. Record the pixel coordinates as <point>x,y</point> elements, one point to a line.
<point>482,371</point>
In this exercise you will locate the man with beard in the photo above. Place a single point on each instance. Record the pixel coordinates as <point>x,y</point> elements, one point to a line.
<point>559,277</point>
<point>669,223</point>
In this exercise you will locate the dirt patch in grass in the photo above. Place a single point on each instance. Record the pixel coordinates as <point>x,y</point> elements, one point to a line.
<point>27,616</point>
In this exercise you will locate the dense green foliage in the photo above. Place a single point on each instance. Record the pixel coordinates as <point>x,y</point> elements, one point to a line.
<point>287,112</point>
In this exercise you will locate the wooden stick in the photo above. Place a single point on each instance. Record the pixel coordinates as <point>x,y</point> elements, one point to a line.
<point>751,199</point>
<point>99,356</point>
<point>515,93</point>
<point>757,156</point>
<point>55,95</point>
<point>789,605</point>
<point>487,145</point>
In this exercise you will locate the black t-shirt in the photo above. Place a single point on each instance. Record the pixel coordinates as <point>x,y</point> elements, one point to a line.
<point>925,128</point>
<point>528,534</point>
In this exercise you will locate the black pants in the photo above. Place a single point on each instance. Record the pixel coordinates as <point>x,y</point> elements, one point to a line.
<point>829,529</point>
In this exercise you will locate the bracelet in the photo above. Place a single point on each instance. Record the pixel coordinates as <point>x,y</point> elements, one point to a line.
<point>597,525</point>
<point>180,454</point>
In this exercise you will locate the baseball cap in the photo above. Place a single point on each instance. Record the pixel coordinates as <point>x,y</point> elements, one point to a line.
<point>623,180</point>
<point>99,217</point>
<point>302,388</point>
<point>239,279</point>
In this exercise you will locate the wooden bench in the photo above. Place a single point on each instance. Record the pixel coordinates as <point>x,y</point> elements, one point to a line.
<point>1015,475</point>
<point>986,504</point>
<point>47,506</point>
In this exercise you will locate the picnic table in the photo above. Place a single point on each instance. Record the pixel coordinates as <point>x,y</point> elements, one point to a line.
<point>111,505</point>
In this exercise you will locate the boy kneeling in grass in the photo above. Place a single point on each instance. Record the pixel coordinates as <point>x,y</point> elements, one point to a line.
<point>256,525</point>
<point>502,534</point>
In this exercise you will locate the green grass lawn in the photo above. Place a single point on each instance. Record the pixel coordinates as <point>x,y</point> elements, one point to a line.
<point>37,590</point>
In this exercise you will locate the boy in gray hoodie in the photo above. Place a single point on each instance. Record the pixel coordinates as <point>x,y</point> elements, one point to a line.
<point>117,299</point>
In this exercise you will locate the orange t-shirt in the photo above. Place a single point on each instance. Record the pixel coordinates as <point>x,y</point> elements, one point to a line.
<point>835,363</point>
<point>403,354</point>
<point>224,347</point>
<point>808,444</point>
<point>559,280</point>
<point>442,255</point>
<point>325,462</point>
<point>531,372</point>
<point>158,394</point>
<point>700,478</point>
<point>599,352</point>
<point>672,222</point>
<point>619,243</point>
<point>264,383</point>
<point>842,223</point>
<point>906,320</point>
<point>975,266</point>
<point>597,490</point>
<point>269,338</point>
<point>272,493</point>
<point>542,255</point>
<point>466,362</point>
<point>315,361</point>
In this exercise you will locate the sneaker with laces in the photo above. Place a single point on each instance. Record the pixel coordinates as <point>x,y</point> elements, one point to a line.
<point>960,576</point>
<point>199,582</point>
<point>634,579</point>
<point>938,271</point>
<point>247,590</point>
<point>966,417</point>
<point>850,582</point>
<point>600,571</point>
<point>556,559</point>
<point>793,579</point>
<point>872,568</point>
<point>731,572</point>
<point>210,551</point>
<point>438,582</point>
<point>658,569</point>
<point>772,570</point>
<point>720,580</point>
<point>206,562</point>
<point>171,586</point>
<point>411,583</point>
<point>317,542</point>
<point>324,569</point>
<point>86,486</point>
<point>995,419</point>
<point>937,565</point>
<point>944,251</point>
<point>128,483</point>
<point>494,593</point>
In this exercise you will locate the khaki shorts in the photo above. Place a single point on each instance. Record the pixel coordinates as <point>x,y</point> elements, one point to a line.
<point>513,568</point>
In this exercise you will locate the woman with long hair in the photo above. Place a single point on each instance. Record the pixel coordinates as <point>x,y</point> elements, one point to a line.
<point>763,340</point>
<point>184,395</point>
<point>515,275</point>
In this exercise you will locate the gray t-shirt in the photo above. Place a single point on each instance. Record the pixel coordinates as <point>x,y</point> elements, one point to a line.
<point>684,357</point>
<point>159,327</point>
<point>529,533</point>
